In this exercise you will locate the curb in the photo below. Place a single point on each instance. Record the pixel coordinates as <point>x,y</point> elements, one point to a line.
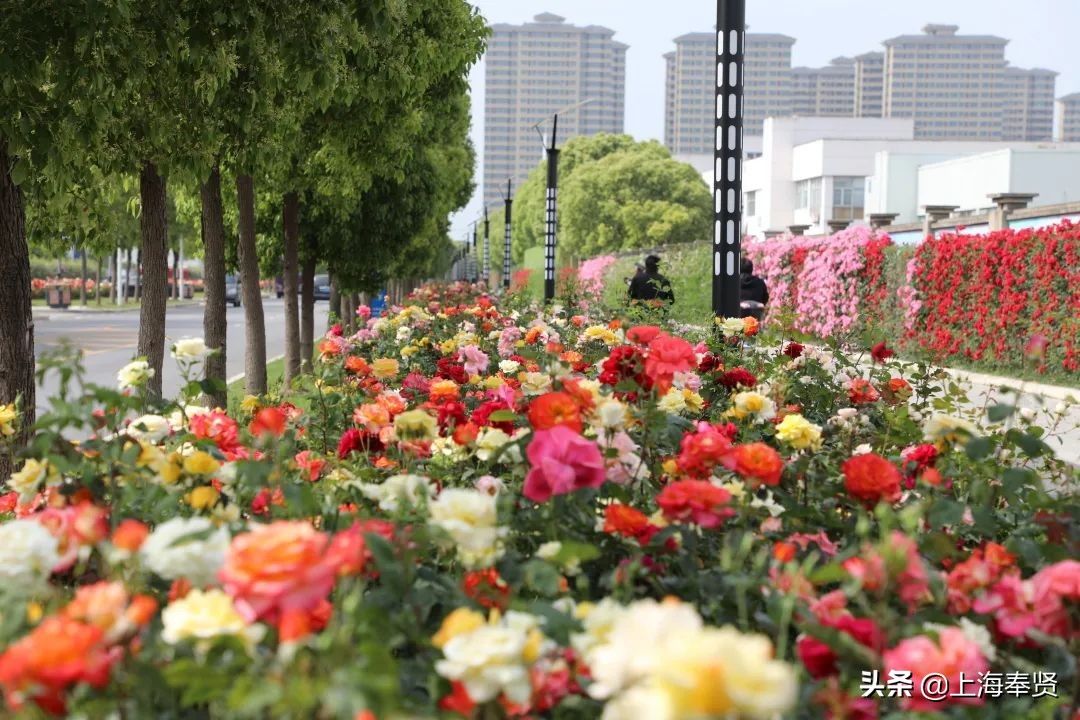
<point>240,376</point>
<point>1056,392</point>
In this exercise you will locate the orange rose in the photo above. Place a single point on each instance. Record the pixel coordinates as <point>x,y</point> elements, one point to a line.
<point>357,365</point>
<point>57,654</point>
<point>278,567</point>
<point>871,479</point>
<point>443,390</point>
<point>555,408</point>
<point>129,535</point>
<point>758,463</point>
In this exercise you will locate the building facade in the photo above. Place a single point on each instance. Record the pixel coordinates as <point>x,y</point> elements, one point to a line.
<point>690,82</point>
<point>954,87</point>
<point>869,84</point>
<point>824,92</point>
<point>815,170</point>
<point>1028,104</point>
<point>949,84</point>
<point>534,70</point>
<point>1067,118</point>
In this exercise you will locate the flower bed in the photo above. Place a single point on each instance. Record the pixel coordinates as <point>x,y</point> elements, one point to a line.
<point>981,299</point>
<point>484,511</point>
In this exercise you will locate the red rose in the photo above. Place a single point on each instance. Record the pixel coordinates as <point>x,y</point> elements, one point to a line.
<point>880,353</point>
<point>737,377</point>
<point>555,408</point>
<point>871,478</point>
<point>695,501</point>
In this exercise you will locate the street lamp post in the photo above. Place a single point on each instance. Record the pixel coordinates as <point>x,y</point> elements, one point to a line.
<point>475,259</point>
<point>487,248</point>
<point>728,150</point>
<point>509,201</point>
<point>551,216</point>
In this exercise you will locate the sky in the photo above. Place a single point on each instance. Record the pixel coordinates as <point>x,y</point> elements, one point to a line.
<point>1042,33</point>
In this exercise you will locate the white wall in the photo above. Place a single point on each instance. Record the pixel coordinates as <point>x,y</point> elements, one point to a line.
<point>1055,176</point>
<point>966,181</point>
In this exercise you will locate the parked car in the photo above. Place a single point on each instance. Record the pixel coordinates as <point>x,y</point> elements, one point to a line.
<point>232,290</point>
<point>322,287</point>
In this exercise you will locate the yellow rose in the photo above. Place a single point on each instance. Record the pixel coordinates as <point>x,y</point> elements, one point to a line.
<point>250,404</point>
<point>384,368</point>
<point>203,615</point>
<point>8,416</point>
<point>415,425</point>
<point>200,463</point>
<point>169,471</point>
<point>27,481</point>
<point>447,347</point>
<point>202,498</point>
<point>459,622</point>
<point>799,433</point>
<point>408,351</point>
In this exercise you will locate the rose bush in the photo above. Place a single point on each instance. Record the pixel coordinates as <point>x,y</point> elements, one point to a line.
<point>483,510</point>
<point>1007,300</point>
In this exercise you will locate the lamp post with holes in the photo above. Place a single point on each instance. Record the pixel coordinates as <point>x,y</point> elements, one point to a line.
<point>727,171</point>
<point>509,203</point>
<point>487,248</point>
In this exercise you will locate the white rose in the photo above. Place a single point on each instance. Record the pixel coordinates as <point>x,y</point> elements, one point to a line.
<point>862,449</point>
<point>392,492</point>
<point>488,661</point>
<point>469,517</point>
<point>198,558</point>
<point>488,443</point>
<point>134,374</point>
<point>28,553</point>
<point>509,367</point>
<point>190,349</point>
<point>151,428</point>
<point>732,326</point>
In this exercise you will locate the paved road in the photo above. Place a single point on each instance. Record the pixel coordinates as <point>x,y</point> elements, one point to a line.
<point>109,339</point>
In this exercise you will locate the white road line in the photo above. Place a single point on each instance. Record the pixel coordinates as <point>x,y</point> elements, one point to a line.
<point>236,378</point>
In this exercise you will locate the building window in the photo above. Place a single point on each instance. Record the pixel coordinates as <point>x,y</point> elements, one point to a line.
<point>808,195</point>
<point>848,195</point>
<point>750,204</point>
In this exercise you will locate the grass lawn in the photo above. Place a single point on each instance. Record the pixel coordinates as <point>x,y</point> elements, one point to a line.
<point>274,370</point>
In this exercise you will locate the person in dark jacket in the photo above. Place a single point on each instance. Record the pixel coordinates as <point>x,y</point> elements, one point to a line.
<point>650,287</point>
<point>753,292</point>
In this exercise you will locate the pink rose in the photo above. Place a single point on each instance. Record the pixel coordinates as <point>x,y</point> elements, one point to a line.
<point>953,656</point>
<point>562,461</point>
<point>474,359</point>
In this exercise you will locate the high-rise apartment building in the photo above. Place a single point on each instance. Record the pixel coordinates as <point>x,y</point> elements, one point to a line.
<point>536,69</point>
<point>1067,118</point>
<point>1027,104</point>
<point>824,92</point>
<point>869,84</point>
<point>690,81</point>
<point>949,84</point>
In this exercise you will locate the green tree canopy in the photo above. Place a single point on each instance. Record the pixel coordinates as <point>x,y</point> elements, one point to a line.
<point>614,194</point>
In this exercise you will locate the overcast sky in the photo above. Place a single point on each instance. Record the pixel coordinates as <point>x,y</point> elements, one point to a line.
<point>1042,33</point>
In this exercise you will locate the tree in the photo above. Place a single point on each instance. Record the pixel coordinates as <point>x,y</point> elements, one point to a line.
<point>636,198</point>
<point>614,194</point>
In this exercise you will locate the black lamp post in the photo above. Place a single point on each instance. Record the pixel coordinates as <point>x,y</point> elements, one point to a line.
<point>551,217</point>
<point>727,172</point>
<point>487,248</point>
<point>509,201</point>
<point>475,260</point>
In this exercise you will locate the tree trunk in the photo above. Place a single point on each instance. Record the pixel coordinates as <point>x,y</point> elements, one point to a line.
<point>97,281</point>
<point>16,319</point>
<point>254,326</point>
<point>214,322</point>
<point>307,308</point>
<point>127,278</point>
<point>335,302</point>
<point>82,288</point>
<point>348,312</point>
<point>154,257</point>
<point>290,220</point>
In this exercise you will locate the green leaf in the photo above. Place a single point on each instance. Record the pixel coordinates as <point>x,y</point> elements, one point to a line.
<point>945,512</point>
<point>19,172</point>
<point>978,448</point>
<point>997,413</point>
<point>503,416</point>
<point>1031,445</point>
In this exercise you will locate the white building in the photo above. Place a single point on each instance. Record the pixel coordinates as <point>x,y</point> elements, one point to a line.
<point>813,170</point>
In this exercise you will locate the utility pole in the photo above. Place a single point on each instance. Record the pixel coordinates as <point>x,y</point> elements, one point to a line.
<point>509,202</point>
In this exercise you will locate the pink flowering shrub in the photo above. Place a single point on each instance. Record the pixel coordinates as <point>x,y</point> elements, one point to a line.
<point>591,273</point>
<point>822,279</point>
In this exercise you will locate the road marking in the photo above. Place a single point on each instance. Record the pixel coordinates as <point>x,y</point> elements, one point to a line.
<point>237,378</point>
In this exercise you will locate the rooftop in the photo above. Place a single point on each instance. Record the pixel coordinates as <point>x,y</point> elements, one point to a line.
<point>710,37</point>
<point>934,34</point>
